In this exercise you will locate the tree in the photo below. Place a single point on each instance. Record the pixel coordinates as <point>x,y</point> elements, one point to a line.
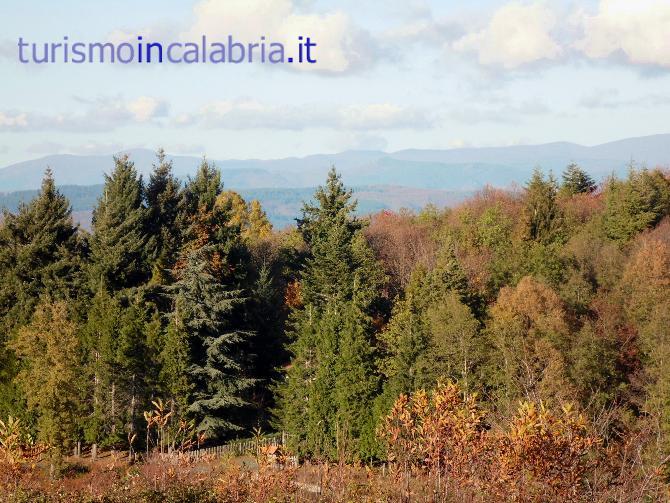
<point>635,204</point>
<point>433,332</point>
<point>40,252</point>
<point>542,214</point>
<point>529,334</point>
<point>103,425</point>
<point>163,196</point>
<point>119,243</point>
<point>208,335</point>
<point>577,181</point>
<point>50,354</point>
<point>200,192</point>
<point>325,401</point>
<point>259,226</point>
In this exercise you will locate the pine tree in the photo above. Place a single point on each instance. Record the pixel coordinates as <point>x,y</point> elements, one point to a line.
<point>40,252</point>
<point>119,243</point>
<point>326,400</point>
<point>206,332</point>
<point>432,333</point>
<point>201,191</point>
<point>635,204</point>
<point>543,215</point>
<point>577,181</point>
<point>163,197</point>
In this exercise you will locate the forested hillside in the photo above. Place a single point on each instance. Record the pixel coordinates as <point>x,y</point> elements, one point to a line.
<point>514,346</point>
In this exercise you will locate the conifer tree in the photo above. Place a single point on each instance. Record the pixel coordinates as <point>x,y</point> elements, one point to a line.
<point>40,252</point>
<point>103,423</point>
<point>206,333</point>
<point>119,242</point>
<point>201,191</point>
<point>163,196</point>
<point>543,216</point>
<point>577,181</point>
<point>635,204</point>
<point>432,333</point>
<point>325,402</point>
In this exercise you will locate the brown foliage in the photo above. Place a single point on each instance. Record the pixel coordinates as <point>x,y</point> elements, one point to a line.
<point>540,456</point>
<point>401,241</point>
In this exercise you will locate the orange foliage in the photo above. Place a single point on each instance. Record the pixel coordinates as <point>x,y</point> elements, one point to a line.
<point>293,295</point>
<point>541,456</point>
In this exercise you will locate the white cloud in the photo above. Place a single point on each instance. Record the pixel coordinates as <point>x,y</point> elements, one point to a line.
<point>341,45</point>
<point>13,120</point>
<point>146,108</point>
<point>518,34</point>
<point>103,114</point>
<point>251,114</point>
<point>636,29</point>
<point>93,148</point>
<point>502,113</point>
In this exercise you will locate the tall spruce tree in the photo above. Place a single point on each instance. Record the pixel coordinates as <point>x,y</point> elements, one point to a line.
<point>40,252</point>
<point>162,198</point>
<point>119,241</point>
<point>325,401</point>
<point>577,181</point>
<point>202,357</point>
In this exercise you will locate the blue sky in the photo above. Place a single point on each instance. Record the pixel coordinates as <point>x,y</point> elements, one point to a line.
<point>392,74</point>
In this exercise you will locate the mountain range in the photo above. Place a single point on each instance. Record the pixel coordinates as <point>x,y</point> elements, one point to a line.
<point>407,178</point>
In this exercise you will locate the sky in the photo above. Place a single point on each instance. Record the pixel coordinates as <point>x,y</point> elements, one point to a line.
<point>390,75</point>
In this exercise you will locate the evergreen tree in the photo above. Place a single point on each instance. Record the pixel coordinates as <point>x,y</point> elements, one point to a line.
<point>40,252</point>
<point>206,333</point>
<point>326,400</point>
<point>103,425</point>
<point>201,191</point>
<point>119,243</point>
<point>163,196</point>
<point>577,181</point>
<point>543,216</point>
<point>635,204</point>
<point>432,333</point>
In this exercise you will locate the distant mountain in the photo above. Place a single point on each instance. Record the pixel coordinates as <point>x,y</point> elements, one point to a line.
<point>454,169</point>
<point>282,205</point>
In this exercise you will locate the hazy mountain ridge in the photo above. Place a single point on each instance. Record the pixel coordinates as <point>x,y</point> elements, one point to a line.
<point>454,169</point>
<point>281,204</point>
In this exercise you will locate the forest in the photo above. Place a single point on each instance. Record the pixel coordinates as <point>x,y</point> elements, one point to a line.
<point>515,347</point>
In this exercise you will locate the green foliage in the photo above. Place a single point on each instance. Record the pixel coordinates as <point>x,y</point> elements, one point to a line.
<point>119,243</point>
<point>577,181</point>
<point>162,198</point>
<point>206,315</point>
<point>187,297</point>
<point>542,213</point>
<point>325,400</point>
<point>49,350</point>
<point>40,254</point>
<point>635,204</point>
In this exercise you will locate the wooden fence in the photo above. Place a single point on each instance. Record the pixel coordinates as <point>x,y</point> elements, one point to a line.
<point>238,447</point>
